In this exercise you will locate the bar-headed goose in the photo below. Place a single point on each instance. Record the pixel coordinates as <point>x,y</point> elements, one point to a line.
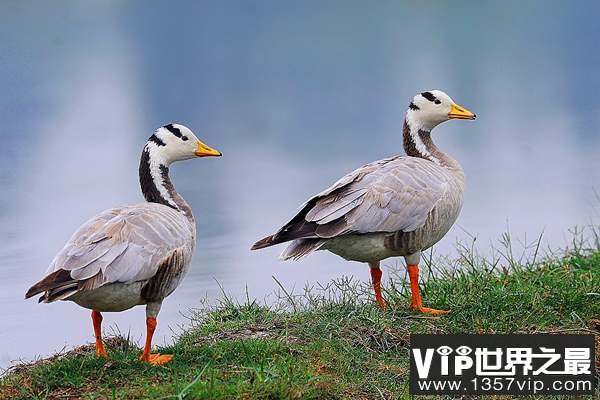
<point>135,254</point>
<point>397,206</point>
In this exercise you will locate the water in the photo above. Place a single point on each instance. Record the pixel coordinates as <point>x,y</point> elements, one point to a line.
<point>295,95</point>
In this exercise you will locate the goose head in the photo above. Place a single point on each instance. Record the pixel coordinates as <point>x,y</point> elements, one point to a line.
<point>176,142</point>
<point>431,108</point>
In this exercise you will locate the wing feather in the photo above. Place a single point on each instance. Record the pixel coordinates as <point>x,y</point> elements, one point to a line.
<point>390,195</point>
<point>124,245</point>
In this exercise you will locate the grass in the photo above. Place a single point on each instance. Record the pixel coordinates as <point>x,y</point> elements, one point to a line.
<point>329,341</point>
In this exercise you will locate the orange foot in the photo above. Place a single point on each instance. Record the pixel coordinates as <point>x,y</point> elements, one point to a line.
<point>100,350</point>
<point>426,310</point>
<point>157,359</point>
<point>101,353</point>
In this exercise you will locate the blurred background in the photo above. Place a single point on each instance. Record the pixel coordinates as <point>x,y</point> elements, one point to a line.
<point>295,94</point>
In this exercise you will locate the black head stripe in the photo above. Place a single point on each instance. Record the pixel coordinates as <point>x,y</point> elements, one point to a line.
<point>429,96</point>
<point>174,130</point>
<point>156,140</point>
<point>413,106</point>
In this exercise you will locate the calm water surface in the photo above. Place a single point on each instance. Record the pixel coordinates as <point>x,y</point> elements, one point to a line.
<point>295,95</point>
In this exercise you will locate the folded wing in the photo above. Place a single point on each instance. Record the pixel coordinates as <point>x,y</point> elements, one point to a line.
<point>118,245</point>
<point>390,195</point>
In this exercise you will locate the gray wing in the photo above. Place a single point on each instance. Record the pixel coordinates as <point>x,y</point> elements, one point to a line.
<point>122,245</point>
<point>390,195</point>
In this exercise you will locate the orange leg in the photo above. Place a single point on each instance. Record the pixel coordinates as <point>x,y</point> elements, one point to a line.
<point>97,321</point>
<point>376,279</point>
<point>416,303</point>
<point>154,359</point>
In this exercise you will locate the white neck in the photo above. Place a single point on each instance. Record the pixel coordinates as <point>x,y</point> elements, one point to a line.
<point>155,162</point>
<point>419,123</point>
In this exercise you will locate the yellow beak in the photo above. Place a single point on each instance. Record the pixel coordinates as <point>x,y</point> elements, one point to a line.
<point>459,112</point>
<point>203,150</point>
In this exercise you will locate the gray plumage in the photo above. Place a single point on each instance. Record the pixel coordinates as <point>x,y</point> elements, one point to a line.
<point>397,206</point>
<point>124,245</point>
<point>394,196</point>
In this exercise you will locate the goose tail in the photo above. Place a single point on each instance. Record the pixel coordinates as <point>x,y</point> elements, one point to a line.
<point>56,286</point>
<point>300,248</point>
<point>265,242</point>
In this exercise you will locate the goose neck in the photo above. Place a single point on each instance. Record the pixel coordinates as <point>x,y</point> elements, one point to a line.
<point>156,184</point>
<point>417,142</point>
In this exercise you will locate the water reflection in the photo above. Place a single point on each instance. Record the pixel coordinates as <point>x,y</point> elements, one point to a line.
<point>294,98</point>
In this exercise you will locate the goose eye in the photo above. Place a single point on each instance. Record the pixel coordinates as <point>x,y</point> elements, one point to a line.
<point>184,138</point>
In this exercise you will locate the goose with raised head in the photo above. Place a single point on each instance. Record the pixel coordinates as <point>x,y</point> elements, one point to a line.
<point>398,206</point>
<point>132,255</point>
